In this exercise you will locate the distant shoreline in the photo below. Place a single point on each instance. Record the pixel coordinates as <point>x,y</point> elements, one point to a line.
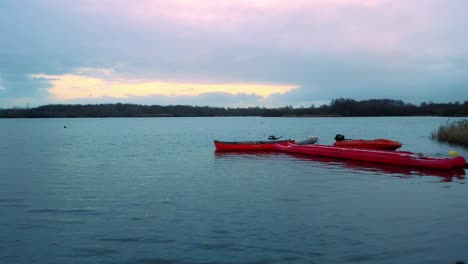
<point>289,116</point>
<point>337,108</point>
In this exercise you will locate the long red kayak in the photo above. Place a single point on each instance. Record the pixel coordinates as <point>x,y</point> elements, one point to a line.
<point>383,144</point>
<point>249,145</point>
<point>376,156</point>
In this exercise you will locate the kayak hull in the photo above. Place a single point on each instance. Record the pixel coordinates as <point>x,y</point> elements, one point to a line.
<point>249,145</point>
<point>376,156</point>
<point>382,144</point>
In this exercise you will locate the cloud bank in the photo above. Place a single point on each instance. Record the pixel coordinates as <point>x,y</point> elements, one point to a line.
<point>280,53</point>
<point>103,83</point>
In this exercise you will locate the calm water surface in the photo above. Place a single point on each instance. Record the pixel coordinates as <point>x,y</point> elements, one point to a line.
<point>153,190</point>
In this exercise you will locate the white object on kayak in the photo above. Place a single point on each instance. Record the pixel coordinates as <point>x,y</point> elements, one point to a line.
<point>307,141</point>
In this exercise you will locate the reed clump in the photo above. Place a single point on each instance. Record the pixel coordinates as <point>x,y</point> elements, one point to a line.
<point>453,132</point>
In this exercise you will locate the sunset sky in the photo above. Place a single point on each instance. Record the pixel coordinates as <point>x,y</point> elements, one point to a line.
<point>232,52</point>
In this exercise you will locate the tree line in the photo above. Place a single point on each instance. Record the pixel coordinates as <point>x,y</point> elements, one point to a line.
<point>337,107</point>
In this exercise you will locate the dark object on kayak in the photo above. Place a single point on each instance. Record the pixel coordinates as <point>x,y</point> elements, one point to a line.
<point>274,138</point>
<point>399,158</point>
<point>339,137</point>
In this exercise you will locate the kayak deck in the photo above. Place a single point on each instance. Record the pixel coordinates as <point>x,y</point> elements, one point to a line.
<point>383,144</point>
<point>376,156</point>
<point>249,145</point>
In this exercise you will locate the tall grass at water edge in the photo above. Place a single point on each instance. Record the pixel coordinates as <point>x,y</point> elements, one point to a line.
<point>453,132</point>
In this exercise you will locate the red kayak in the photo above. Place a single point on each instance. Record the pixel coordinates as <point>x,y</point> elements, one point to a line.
<point>249,145</point>
<point>268,145</point>
<point>383,144</point>
<point>399,158</point>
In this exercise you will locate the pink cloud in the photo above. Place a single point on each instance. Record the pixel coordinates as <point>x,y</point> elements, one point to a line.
<point>204,30</point>
<point>210,11</point>
<point>296,26</point>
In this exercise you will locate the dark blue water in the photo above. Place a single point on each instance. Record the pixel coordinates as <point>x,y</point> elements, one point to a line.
<point>153,190</point>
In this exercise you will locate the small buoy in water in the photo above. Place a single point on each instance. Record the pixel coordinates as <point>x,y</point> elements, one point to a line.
<point>64,126</point>
<point>453,153</point>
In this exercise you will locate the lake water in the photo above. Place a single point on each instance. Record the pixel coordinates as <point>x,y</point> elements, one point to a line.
<point>153,190</point>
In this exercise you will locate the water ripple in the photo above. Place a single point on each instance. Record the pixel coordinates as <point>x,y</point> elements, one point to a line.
<point>85,211</point>
<point>143,240</point>
<point>122,239</point>
<point>93,252</point>
<point>159,261</point>
<point>13,202</point>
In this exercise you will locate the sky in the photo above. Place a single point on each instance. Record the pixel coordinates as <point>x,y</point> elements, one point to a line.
<point>232,53</point>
